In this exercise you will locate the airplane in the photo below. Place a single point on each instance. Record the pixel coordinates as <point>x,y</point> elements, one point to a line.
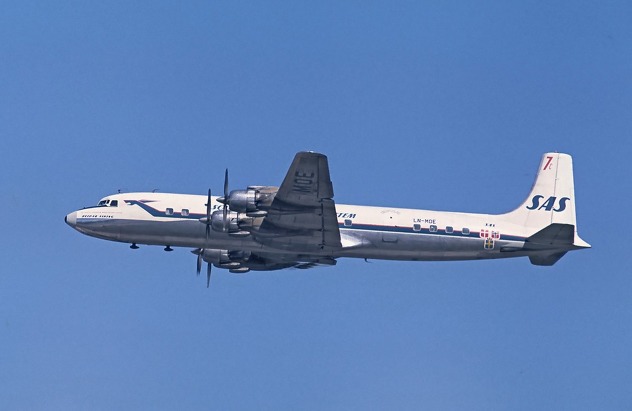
<point>299,225</point>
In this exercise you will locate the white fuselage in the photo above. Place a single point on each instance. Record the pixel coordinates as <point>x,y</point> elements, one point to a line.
<point>366,232</point>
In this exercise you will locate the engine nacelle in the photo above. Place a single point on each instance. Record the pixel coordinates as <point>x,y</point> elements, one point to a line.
<point>225,258</point>
<point>253,200</point>
<point>232,221</point>
<point>243,201</point>
<point>239,255</point>
<point>215,256</point>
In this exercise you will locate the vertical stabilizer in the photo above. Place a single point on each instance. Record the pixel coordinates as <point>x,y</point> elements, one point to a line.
<point>552,197</point>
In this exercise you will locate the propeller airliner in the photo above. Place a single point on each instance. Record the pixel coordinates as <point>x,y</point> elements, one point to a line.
<point>298,224</point>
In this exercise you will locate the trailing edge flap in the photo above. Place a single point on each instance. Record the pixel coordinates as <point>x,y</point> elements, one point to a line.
<point>302,216</point>
<point>552,235</point>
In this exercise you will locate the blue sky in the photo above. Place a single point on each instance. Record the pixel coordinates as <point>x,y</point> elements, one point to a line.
<point>438,105</point>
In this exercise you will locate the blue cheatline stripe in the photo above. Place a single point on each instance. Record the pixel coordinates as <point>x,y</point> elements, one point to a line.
<point>157,213</point>
<point>409,230</point>
<point>82,220</point>
<point>365,227</point>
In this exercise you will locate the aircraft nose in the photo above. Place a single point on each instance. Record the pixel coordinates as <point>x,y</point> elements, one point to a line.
<point>71,219</point>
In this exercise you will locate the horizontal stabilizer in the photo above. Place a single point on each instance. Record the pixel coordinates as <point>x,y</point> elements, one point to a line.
<point>548,259</point>
<point>552,235</point>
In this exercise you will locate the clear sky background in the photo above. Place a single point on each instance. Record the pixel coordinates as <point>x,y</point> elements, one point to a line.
<point>438,105</point>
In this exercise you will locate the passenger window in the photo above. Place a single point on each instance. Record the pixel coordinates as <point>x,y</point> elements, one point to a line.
<point>433,228</point>
<point>348,223</point>
<point>465,231</point>
<point>416,227</point>
<point>185,212</point>
<point>114,203</point>
<point>449,229</point>
<point>169,211</point>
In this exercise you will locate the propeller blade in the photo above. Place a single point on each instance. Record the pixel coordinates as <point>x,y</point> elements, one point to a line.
<point>208,204</point>
<point>226,184</point>
<point>208,215</point>
<point>225,217</point>
<point>208,274</point>
<point>225,209</point>
<point>199,263</point>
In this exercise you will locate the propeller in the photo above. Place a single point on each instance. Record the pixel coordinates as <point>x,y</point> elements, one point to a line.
<point>207,221</point>
<point>200,259</point>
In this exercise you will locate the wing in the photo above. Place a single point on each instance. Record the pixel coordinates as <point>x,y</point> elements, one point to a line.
<point>241,261</point>
<point>266,261</point>
<point>302,216</point>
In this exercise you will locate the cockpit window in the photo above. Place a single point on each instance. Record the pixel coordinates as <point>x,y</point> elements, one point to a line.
<point>108,203</point>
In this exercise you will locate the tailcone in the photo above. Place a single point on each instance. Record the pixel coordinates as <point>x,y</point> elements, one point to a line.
<point>579,243</point>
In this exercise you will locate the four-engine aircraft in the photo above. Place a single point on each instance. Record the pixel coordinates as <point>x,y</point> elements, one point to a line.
<point>298,224</point>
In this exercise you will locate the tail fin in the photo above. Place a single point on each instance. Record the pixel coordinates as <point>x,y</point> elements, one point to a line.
<point>552,198</point>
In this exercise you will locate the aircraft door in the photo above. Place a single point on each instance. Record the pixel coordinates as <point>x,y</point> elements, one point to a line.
<point>391,225</point>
